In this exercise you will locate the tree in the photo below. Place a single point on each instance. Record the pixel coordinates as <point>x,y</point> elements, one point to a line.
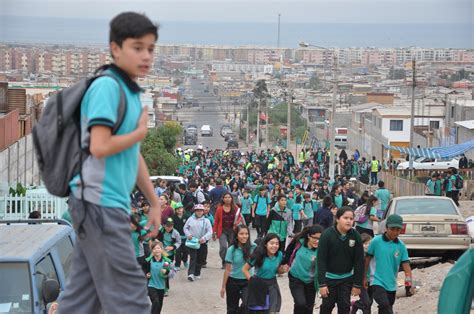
<point>396,74</point>
<point>158,149</point>
<point>314,83</point>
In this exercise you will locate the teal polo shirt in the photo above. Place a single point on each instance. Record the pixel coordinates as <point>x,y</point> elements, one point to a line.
<point>304,265</point>
<point>262,202</point>
<point>309,209</point>
<point>296,208</point>
<point>109,181</point>
<point>157,280</point>
<point>269,267</point>
<point>384,197</point>
<point>386,259</point>
<point>246,205</point>
<point>235,257</point>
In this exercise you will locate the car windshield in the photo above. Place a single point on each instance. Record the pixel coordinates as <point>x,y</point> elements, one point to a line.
<point>425,206</point>
<point>15,290</point>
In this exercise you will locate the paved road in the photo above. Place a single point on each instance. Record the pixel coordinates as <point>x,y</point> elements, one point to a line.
<point>209,112</point>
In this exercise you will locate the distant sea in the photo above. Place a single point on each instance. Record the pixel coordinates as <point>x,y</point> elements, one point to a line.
<point>83,31</point>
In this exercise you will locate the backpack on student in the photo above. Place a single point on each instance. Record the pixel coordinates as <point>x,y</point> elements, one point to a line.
<point>57,135</point>
<point>459,183</point>
<point>360,214</point>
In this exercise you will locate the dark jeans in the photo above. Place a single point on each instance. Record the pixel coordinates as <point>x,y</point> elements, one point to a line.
<point>204,254</point>
<point>196,260</point>
<point>181,254</point>
<point>303,294</point>
<point>340,293</point>
<point>236,290</point>
<point>260,223</point>
<point>248,219</point>
<point>364,303</point>
<point>454,195</point>
<point>385,299</point>
<point>156,297</point>
<point>373,178</point>
<point>298,226</point>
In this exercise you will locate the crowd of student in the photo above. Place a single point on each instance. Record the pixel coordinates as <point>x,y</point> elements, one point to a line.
<point>308,226</point>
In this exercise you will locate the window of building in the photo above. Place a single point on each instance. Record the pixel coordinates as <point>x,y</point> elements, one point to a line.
<point>434,125</point>
<point>396,125</point>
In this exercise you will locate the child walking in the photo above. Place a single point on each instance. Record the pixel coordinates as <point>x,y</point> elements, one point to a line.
<point>263,286</point>
<point>198,231</point>
<point>234,283</point>
<point>300,256</point>
<point>159,269</point>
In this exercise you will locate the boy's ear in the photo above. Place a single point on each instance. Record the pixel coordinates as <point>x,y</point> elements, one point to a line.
<point>114,49</point>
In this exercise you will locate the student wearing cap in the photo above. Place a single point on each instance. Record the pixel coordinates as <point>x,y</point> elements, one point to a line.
<point>197,229</point>
<point>385,254</point>
<point>171,240</point>
<point>179,220</point>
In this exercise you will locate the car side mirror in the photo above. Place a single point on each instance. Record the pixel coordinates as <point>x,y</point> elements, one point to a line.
<point>50,290</point>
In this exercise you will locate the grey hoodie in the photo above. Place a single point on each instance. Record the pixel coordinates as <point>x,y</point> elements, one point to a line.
<point>198,228</point>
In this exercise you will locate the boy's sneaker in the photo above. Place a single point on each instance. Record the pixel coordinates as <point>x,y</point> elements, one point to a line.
<point>197,277</point>
<point>191,277</point>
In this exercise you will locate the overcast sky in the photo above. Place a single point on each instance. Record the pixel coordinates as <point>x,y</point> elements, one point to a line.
<point>332,11</point>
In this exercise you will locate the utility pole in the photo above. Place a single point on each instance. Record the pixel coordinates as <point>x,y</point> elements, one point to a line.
<point>248,124</point>
<point>278,41</point>
<point>412,118</point>
<point>258,124</point>
<point>332,149</point>
<point>288,122</point>
<point>267,124</point>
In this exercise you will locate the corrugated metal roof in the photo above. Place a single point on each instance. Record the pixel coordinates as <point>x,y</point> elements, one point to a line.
<point>21,242</point>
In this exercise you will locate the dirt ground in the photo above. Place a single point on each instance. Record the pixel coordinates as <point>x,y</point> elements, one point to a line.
<point>202,296</point>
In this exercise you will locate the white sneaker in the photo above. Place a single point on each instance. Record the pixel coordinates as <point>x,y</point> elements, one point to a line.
<point>191,277</point>
<point>197,277</point>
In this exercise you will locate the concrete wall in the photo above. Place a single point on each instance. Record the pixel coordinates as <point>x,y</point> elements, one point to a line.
<point>18,163</point>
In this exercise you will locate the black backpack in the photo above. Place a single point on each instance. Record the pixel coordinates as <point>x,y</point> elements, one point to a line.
<point>459,183</point>
<point>57,135</point>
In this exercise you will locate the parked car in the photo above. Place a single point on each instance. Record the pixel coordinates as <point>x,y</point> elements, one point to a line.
<point>172,179</point>
<point>206,130</point>
<point>432,225</point>
<point>424,163</point>
<point>35,260</point>
<point>192,128</point>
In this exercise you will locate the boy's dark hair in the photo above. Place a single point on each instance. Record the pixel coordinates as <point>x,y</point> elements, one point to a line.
<point>131,25</point>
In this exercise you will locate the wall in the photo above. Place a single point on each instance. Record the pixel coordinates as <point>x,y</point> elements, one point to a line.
<point>9,129</point>
<point>18,163</point>
<point>396,136</point>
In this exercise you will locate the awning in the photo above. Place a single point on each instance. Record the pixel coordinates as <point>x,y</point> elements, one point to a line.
<point>435,152</point>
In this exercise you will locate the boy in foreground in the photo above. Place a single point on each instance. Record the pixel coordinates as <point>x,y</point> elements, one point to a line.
<point>385,254</point>
<point>104,273</point>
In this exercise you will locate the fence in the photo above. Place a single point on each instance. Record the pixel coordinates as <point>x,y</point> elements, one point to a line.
<point>19,207</point>
<point>400,186</point>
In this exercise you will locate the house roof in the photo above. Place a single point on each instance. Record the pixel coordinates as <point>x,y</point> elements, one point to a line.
<point>468,124</point>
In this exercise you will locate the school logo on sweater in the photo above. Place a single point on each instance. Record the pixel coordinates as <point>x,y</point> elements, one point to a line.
<point>352,243</point>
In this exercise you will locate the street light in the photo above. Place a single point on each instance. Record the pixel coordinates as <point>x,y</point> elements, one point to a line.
<point>333,111</point>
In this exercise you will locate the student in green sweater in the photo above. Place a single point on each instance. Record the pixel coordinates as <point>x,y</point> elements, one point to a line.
<point>300,256</point>
<point>340,263</point>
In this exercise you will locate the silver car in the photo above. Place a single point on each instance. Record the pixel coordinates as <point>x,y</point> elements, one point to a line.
<point>432,226</point>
